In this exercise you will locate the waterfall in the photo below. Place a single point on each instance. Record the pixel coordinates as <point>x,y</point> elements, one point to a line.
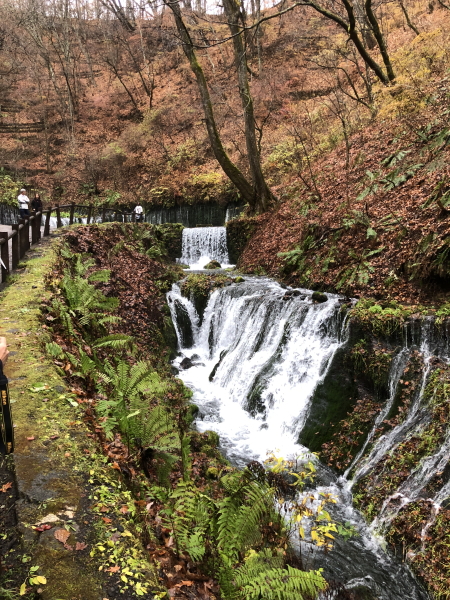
<point>261,357</point>
<point>200,245</point>
<point>256,357</point>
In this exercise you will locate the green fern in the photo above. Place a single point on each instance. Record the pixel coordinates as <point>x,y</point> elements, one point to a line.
<point>257,579</point>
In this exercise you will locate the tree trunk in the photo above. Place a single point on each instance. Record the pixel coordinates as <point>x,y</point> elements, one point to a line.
<point>263,195</point>
<point>230,169</point>
<point>351,30</point>
<point>380,39</point>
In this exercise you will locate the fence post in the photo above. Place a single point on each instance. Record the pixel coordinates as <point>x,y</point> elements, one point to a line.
<point>72,212</point>
<point>89,214</point>
<point>33,227</point>
<point>26,226</point>
<point>58,216</point>
<point>22,248</point>
<point>47,222</point>
<point>38,225</point>
<point>4,254</point>
<point>15,246</point>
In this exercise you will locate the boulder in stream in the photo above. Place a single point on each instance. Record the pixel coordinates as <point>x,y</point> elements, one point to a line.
<point>213,264</point>
<point>319,297</point>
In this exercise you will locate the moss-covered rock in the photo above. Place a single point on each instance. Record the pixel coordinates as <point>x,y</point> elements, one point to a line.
<point>171,235</point>
<point>332,400</point>
<point>213,264</point>
<point>198,286</point>
<point>239,231</point>
<point>319,297</point>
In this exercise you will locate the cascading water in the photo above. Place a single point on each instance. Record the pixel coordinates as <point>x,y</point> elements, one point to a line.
<point>200,245</point>
<point>257,355</point>
<point>268,355</point>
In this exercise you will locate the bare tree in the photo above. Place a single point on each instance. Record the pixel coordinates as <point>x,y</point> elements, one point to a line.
<point>256,192</point>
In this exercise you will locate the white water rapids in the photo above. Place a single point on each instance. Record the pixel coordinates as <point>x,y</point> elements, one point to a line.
<point>257,356</point>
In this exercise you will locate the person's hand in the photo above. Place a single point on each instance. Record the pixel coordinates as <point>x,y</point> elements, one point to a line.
<point>3,350</point>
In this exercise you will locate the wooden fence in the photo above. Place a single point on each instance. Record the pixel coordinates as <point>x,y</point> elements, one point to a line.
<point>26,232</point>
<point>20,242</point>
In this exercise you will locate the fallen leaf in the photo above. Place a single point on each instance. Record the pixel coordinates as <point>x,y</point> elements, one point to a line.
<point>6,487</point>
<point>115,569</point>
<point>62,535</point>
<point>106,520</point>
<point>80,546</point>
<point>178,568</point>
<point>123,510</point>
<point>31,438</point>
<point>42,527</point>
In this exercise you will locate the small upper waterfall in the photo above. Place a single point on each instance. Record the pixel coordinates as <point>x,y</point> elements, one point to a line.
<point>200,245</point>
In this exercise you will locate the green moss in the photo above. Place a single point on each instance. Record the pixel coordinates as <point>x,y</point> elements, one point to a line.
<point>198,286</point>
<point>381,319</point>
<point>239,231</point>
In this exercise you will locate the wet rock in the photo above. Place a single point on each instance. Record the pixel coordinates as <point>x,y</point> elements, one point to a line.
<point>217,365</point>
<point>184,325</point>
<point>319,297</point>
<point>214,264</point>
<point>186,363</point>
<point>239,279</point>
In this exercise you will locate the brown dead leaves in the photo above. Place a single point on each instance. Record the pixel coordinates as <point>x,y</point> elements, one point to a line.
<point>62,535</point>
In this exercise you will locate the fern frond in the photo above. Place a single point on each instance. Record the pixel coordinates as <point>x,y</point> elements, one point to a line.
<point>100,276</point>
<point>54,350</point>
<point>282,584</point>
<point>115,341</point>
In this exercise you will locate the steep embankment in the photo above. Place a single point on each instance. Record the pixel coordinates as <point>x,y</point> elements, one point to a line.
<point>376,224</point>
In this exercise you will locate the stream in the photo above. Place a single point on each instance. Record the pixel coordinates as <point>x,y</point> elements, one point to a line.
<point>258,354</point>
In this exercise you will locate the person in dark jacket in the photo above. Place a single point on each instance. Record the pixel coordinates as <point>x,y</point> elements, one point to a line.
<point>7,428</point>
<point>36,203</point>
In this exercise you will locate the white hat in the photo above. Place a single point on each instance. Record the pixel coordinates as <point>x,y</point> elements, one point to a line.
<point>23,190</point>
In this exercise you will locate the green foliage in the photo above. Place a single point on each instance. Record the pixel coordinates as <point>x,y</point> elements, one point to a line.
<point>127,391</point>
<point>296,259</point>
<point>8,189</point>
<point>257,580</point>
<point>359,272</point>
<point>219,532</point>
<point>82,300</point>
<point>385,182</point>
<point>381,320</point>
<point>186,153</point>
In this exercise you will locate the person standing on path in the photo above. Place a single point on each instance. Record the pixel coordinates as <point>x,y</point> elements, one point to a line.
<point>24,202</point>
<point>139,212</point>
<point>36,203</point>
